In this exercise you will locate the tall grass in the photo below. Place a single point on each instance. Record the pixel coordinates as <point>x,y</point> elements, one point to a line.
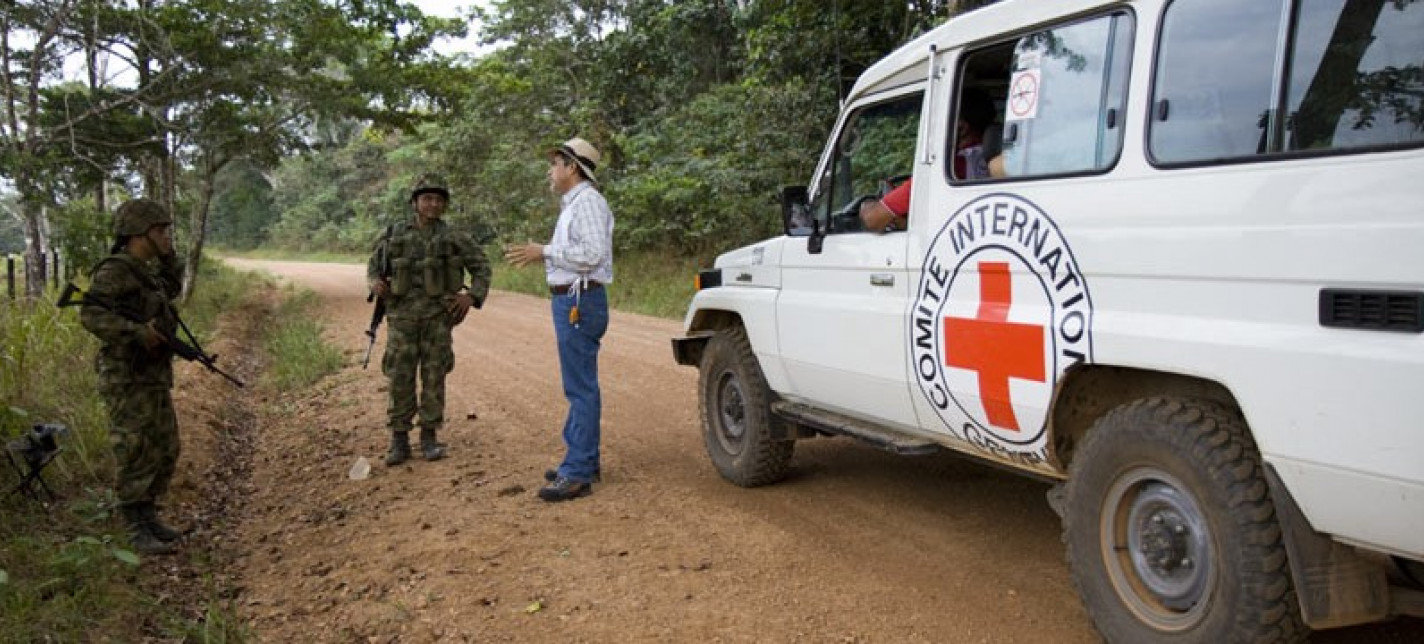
<point>66,573</point>
<point>47,376</point>
<point>219,289</point>
<point>299,354</point>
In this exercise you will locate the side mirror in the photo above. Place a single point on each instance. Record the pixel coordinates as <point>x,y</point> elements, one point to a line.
<point>795,213</point>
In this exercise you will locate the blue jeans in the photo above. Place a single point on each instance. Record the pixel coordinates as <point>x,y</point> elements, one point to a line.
<point>578,367</point>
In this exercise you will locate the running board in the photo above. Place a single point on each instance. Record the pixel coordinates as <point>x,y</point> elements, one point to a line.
<point>833,423</point>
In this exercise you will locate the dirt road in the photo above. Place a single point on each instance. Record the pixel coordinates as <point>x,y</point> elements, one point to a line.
<point>857,546</point>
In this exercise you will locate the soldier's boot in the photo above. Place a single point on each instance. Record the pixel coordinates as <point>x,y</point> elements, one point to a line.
<point>429,447</point>
<point>155,526</point>
<point>400,449</point>
<point>142,535</point>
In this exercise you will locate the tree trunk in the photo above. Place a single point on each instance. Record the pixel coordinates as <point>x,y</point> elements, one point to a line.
<point>198,226</point>
<point>34,252</point>
<point>1334,84</point>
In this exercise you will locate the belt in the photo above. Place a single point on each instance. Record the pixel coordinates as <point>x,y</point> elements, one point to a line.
<point>563,289</point>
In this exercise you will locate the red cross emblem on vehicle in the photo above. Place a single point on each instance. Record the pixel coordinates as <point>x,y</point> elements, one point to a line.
<point>995,347</point>
<point>1000,314</point>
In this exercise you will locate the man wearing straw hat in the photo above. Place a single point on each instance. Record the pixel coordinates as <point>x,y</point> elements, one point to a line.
<point>578,266</point>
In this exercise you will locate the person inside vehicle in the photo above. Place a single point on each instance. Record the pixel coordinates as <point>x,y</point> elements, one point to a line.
<point>976,117</point>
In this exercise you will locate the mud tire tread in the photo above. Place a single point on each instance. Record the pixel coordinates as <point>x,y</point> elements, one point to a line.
<point>763,460</point>
<point>1208,446</point>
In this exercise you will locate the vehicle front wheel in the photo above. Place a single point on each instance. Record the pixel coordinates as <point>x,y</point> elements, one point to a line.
<point>736,413</point>
<point>1170,530</point>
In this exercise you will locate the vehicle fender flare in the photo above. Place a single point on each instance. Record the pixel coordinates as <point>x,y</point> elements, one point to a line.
<point>718,308</point>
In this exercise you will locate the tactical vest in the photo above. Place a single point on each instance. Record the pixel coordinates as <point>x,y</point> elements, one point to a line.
<point>428,263</point>
<point>139,293</point>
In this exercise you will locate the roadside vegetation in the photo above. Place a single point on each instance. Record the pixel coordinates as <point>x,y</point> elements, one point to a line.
<point>645,282</point>
<point>298,355</point>
<point>67,573</point>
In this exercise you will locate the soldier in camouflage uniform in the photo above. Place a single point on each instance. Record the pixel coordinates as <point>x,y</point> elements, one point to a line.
<point>419,268</point>
<point>135,364</point>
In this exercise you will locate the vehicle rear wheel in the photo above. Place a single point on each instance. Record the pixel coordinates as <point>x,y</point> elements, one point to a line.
<point>1170,530</point>
<point>736,413</point>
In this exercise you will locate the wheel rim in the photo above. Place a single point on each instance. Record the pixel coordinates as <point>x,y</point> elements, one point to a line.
<point>731,413</point>
<point>1157,549</point>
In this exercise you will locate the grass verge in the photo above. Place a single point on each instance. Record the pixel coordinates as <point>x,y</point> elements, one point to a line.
<point>298,355</point>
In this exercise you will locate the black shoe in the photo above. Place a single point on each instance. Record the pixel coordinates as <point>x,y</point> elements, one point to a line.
<point>400,449</point>
<point>563,489</point>
<point>550,475</point>
<point>431,449</point>
<point>149,512</point>
<point>141,535</point>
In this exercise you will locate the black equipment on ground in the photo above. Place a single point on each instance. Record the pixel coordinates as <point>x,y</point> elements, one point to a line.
<point>35,449</point>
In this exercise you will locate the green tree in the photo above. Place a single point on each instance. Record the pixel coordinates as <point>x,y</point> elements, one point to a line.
<point>242,206</point>
<point>47,133</point>
<point>703,108</point>
<point>12,235</point>
<point>210,81</point>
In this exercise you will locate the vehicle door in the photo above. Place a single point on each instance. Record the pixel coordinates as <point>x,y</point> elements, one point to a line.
<point>840,314</point>
<point>1001,308</point>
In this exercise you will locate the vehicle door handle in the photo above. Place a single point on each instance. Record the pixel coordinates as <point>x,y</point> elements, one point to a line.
<point>882,279</point>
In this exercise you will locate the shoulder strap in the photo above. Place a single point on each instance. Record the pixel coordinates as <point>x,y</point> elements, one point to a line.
<point>127,262</point>
<point>94,270</point>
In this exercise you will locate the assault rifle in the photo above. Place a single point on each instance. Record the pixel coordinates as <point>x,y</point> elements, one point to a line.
<point>379,313</point>
<point>72,296</point>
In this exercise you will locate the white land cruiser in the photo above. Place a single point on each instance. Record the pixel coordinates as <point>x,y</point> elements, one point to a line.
<point>1193,293</point>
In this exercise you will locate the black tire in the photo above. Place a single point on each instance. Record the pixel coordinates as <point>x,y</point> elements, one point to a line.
<point>1170,530</point>
<point>736,413</point>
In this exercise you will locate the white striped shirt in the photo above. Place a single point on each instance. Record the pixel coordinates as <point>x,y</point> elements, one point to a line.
<point>583,239</point>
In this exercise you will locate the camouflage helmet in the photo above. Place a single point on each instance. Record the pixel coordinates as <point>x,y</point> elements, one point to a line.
<point>136,216</point>
<point>430,183</point>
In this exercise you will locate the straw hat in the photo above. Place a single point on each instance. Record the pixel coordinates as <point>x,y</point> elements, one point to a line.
<point>583,153</point>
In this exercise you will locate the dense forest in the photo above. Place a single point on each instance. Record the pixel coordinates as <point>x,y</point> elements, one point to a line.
<point>300,124</point>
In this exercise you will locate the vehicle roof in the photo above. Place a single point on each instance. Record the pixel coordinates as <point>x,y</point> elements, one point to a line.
<point>907,64</point>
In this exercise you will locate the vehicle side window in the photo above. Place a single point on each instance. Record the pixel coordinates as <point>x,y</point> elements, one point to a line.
<point>1353,79</point>
<point>1357,76</point>
<point>1063,112</point>
<point>1213,83</point>
<point>876,144</point>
